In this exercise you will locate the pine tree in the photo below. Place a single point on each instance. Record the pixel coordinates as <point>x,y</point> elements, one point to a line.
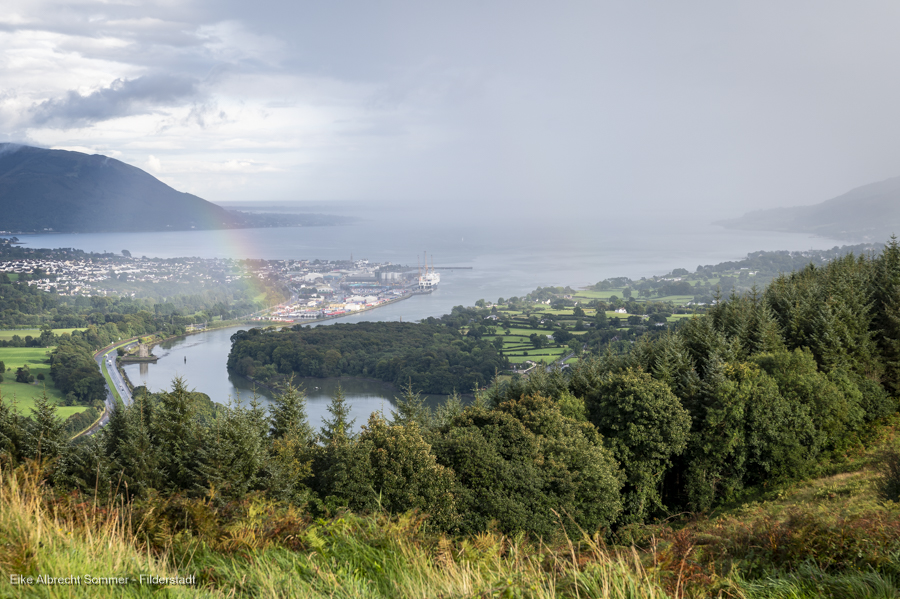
<point>232,458</point>
<point>337,429</point>
<point>450,409</point>
<point>886,312</point>
<point>336,464</point>
<point>45,437</point>
<point>288,414</point>
<point>11,434</point>
<point>138,459</point>
<point>84,467</point>
<point>411,408</point>
<point>292,447</point>
<point>175,430</point>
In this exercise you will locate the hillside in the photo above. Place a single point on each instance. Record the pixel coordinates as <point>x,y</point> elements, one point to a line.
<point>74,192</point>
<point>864,213</point>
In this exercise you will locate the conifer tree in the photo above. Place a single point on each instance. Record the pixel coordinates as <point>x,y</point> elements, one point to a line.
<point>336,463</point>
<point>450,409</point>
<point>411,408</point>
<point>45,437</point>
<point>11,434</point>
<point>175,430</point>
<point>84,466</point>
<point>886,321</point>
<point>233,455</point>
<point>288,414</point>
<point>337,429</point>
<point>292,447</point>
<point>137,459</point>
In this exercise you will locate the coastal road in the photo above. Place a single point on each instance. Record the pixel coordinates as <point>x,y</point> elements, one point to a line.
<point>106,361</point>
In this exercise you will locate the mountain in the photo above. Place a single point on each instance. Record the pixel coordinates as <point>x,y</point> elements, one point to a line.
<point>74,192</point>
<point>867,213</point>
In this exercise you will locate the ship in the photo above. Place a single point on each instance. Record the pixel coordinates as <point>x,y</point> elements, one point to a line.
<point>429,279</point>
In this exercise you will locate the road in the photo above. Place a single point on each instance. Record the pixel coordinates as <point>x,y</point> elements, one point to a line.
<point>118,382</point>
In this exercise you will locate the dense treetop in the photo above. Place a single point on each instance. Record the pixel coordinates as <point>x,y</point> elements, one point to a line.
<point>433,356</point>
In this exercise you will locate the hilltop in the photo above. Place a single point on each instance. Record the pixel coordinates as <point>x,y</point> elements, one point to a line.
<point>864,213</point>
<point>63,191</point>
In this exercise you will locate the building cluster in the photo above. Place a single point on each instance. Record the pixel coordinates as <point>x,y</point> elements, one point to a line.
<point>320,289</point>
<point>331,289</point>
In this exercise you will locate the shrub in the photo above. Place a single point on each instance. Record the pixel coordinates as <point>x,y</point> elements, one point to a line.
<point>888,484</point>
<point>645,426</point>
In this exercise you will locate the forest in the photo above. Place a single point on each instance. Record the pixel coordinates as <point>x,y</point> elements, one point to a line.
<point>433,356</point>
<point>763,390</point>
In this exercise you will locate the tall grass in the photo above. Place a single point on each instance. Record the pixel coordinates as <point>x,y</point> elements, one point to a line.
<point>38,538</point>
<point>257,548</point>
<point>262,551</point>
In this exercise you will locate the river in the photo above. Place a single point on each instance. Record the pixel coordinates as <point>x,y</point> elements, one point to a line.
<point>200,359</point>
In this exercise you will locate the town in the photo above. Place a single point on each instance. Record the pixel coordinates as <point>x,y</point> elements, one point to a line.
<point>316,289</point>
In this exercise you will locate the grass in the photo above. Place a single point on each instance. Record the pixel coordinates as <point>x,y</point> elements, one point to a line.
<point>41,540</point>
<point>24,394</point>
<point>832,536</point>
<point>7,334</point>
<point>590,294</point>
<point>265,550</point>
<point>536,355</point>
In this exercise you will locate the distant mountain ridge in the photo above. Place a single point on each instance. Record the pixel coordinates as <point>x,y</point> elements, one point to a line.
<point>67,191</point>
<point>867,213</point>
<point>58,190</point>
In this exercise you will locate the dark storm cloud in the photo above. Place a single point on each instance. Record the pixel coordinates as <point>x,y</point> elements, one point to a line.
<point>121,98</point>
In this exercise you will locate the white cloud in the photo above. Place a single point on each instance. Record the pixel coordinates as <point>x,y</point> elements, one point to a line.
<point>153,164</point>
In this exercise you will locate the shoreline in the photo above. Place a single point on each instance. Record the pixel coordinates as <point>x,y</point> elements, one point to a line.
<point>264,324</point>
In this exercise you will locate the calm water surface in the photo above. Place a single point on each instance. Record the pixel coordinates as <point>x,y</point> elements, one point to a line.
<point>508,258</point>
<point>200,359</point>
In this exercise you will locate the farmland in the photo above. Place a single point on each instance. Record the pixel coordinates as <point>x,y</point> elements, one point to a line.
<point>22,395</point>
<point>7,334</point>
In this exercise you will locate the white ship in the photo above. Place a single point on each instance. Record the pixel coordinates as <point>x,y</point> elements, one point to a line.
<point>428,280</point>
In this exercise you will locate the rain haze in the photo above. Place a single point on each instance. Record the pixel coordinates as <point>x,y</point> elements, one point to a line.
<point>706,107</point>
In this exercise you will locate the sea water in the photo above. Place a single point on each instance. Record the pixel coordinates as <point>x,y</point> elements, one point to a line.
<point>508,256</point>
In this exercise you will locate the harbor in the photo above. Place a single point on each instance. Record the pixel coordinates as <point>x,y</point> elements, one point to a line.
<point>321,296</point>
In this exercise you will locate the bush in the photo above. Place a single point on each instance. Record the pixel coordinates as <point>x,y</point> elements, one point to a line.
<point>888,484</point>
<point>645,426</point>
<point>527,468</point>
<point>22,374</point>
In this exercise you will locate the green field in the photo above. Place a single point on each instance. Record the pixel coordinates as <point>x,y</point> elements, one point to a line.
<point>7,334</point>
<point>24,394</point>
<point>678,300</point>
<point>547,354</point>
<point>591,294</point>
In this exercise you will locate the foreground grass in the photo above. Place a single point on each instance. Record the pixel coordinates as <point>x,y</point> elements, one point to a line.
<point>37,538</point>
<point>273,552</point>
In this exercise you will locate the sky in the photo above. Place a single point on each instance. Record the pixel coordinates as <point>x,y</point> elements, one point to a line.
<point>602,108</point>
